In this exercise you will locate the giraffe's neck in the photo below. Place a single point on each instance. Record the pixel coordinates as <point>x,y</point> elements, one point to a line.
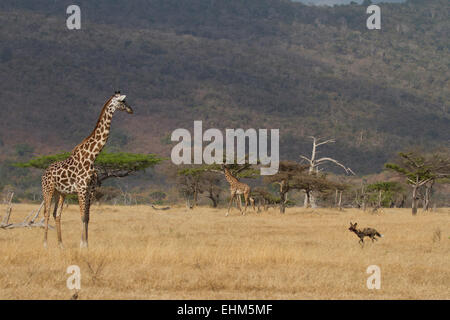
<point>231,180</point>
<point>90,147</point>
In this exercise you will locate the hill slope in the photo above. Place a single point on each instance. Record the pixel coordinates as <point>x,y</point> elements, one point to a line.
<point>253,63</point>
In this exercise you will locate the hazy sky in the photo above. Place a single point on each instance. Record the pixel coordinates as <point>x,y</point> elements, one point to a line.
<point>332,2</point>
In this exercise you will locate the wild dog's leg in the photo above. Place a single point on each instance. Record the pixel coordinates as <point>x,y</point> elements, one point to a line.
<point>361,240</point>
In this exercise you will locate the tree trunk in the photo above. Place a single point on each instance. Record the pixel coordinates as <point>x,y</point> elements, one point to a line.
<point>8,211</point>
<point>283,201</point>
<point>402,202</point>
<point>340,200</point>
<point>188,203</point>
<point>414,200</point>
<point>379,199</point>
<point>308,199</point>
<point>427,197</point>
<point>336,198</point>
<point>194,203</point>
<point>312,200</point>
<point>213,199</point>
<point>363,197</point>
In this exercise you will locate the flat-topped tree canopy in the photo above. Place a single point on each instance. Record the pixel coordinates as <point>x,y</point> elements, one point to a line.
<point>107,164</point>
<point>422,169</point>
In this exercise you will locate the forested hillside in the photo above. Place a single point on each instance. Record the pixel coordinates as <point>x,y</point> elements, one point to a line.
<point>237,63</point>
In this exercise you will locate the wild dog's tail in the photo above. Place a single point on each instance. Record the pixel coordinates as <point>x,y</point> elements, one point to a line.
<point>379,234</point>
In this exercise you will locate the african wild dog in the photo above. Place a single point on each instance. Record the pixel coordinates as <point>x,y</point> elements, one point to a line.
<point>366,232</point>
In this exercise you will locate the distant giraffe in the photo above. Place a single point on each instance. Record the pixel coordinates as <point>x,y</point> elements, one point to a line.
<point>236,189</point>
<point>76,174</point>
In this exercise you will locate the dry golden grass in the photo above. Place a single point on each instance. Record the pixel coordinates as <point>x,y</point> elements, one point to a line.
<point>139,253</point>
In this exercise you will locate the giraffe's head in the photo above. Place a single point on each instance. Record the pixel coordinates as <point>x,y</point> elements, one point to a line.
<point>118,103</point>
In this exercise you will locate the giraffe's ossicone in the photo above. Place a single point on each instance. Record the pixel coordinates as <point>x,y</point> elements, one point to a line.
<point>76,174</point>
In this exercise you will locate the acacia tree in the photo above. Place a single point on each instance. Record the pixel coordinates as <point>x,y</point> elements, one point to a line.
<point>294,176</point>
<point>318,183</point>
<point>314,164</point>
<point>287,178</point>
<point>264,198</point>
<point>339,188</point>
<point>195,180</point>
<point>361,195</point>
<point>188,184</point>
<point>421,170</point>
<point>107,164</point>
<point>211,186</point>
<point>385,191</point>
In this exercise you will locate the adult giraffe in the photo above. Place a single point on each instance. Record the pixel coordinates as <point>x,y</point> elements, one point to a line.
<point>236,189</point>
<point>76,174</point>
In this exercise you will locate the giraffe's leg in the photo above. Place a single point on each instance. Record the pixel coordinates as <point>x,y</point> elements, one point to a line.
<point>93,186</point>
<point>238,200</point>
<point>48,196</point>
<point>246,202</point>
<point>231,202</point>
<point>57,216</point>
<point>83,200</point>
<point>252,202</point>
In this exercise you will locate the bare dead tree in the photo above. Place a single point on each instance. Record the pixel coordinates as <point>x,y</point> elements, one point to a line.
<point>163,208</point>
<point>27,222</point>
<point>314,164</point>
<point>8,211</point>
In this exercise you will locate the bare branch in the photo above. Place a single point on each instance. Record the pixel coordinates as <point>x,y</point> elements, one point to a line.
<point>325,142</point>
<point>421,183</point>
<point>214,170</point>
<point>307,159</point>
<point>347,169</point>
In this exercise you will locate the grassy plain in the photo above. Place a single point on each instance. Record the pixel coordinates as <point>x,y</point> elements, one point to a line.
<point>139,253</point>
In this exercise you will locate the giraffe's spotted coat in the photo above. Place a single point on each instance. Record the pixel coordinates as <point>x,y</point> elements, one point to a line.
<point>76,174</point>
<point>236,189</point>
